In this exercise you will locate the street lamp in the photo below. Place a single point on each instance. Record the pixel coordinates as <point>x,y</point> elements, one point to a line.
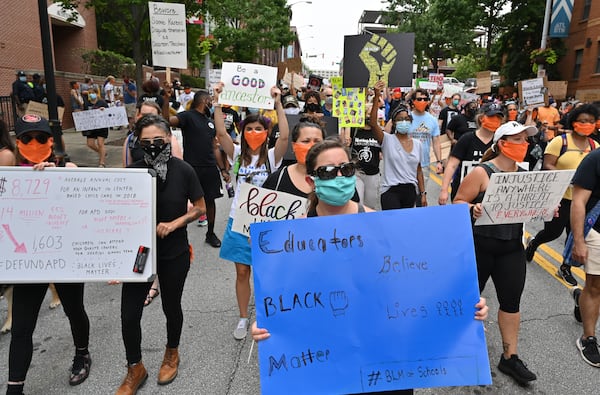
<point>299,2</point>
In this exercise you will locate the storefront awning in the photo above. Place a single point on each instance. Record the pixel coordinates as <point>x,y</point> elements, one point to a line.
<point>61,17</point>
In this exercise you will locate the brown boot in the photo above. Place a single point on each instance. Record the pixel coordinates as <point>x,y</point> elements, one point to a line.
<point>168,369</point>
<point>136,377</point>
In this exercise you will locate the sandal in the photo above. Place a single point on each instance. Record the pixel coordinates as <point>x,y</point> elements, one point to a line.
<point>150,297</point>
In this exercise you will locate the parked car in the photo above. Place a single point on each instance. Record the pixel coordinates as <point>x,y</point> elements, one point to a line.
<point>470,83</point>
<point>453,81</point>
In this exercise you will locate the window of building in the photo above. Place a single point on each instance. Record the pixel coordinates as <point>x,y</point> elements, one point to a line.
<point>598,58</point>
<point>586,9</point>
<point>578,61</point>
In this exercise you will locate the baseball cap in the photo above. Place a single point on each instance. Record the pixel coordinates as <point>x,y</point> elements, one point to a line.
<point>491,109</point>
<point>290,101</point>
<point>21,73</point>
<point>511,128</point>
<point>32,123</point>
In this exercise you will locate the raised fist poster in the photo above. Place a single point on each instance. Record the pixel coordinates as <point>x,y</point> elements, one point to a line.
<point>369,58</point>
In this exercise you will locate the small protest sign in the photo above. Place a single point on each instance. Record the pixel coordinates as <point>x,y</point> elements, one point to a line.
<point>351,307</point>
<point>41,109</point>
<point>293,79</point>
<point>533,92</point>
<point>520,197</point>
<point>168,34</point>
<point>438,78</point>
<point>431,86</point>
<point>369,58</point>
<point>293,65</point>
<point>256,204</point>
<point>248,85</point>
<point>348,104</point>
<point>484,82</point>
<point>558,89</point>
<point>100,118</point>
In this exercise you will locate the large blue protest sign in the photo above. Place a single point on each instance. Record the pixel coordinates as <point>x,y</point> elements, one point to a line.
<point>562,11</point>
<point>368,302</point>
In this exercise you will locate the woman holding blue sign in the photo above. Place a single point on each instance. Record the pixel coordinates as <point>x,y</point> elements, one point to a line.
<point>252,161</point>
<point>331,175</point>
<point>498,248</point>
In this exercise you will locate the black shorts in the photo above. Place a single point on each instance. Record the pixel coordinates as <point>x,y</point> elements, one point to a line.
<point>210,179</point>
<point>94,134</point>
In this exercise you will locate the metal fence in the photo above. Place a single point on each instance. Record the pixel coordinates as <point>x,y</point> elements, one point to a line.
<point>8,112</point>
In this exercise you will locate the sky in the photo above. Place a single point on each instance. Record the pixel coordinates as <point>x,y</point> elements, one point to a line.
<point>331,20</point>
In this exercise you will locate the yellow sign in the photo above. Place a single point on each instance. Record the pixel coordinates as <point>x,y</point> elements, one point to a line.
<point>348,104</point>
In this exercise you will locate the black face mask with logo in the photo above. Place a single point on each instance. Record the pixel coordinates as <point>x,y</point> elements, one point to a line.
<point>312,107</point>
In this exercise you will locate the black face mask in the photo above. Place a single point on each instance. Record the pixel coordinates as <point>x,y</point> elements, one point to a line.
<point>313,107</point>
<point>153,149</point>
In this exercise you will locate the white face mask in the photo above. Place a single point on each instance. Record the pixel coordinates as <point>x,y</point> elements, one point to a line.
<point>291,111</point>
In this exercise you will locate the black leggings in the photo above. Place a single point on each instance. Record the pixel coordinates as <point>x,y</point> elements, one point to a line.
<point>553,229</point>
<point>27,300</point>
<point>504,261</point>
<point>171,275</point>
<point>399,196</point>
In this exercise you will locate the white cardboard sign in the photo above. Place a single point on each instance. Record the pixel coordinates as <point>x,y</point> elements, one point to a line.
<point>256,204</point>
<point>100,118</point>
<point>248,85</point>
<point>75,224</point>
<point>520,197</point>
<point>168,34</point>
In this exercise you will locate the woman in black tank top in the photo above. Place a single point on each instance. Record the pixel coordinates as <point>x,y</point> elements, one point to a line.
<point>498,248</point>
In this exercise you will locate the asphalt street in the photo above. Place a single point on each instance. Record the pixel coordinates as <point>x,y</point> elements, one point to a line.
<point>213,362</point>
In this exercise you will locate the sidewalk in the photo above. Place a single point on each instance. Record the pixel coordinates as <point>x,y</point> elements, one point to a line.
<point>83,156</point>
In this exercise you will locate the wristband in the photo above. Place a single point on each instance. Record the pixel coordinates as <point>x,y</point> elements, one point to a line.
<point>423,193</point>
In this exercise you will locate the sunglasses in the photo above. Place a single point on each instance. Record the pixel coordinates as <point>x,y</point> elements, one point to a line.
<point>421,99</point>
<point>41,138</point>
<point>159,141</point>
<point>330,172</point>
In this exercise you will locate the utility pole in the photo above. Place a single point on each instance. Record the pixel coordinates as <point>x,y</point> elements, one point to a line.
<point>47,52</point>
<point>541,71</point>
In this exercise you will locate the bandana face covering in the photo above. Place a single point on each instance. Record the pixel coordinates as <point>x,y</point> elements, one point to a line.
<point>583,129</point>
<point>514,151</point>
<point>255,139</point>
<point>157,157</point>
<point>35,152</point>
<point>491,123</point>
<point>300,150</point>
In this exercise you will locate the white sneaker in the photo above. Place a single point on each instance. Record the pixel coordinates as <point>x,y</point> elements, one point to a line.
<point>241,330</point>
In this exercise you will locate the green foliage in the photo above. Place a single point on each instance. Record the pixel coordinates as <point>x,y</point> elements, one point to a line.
<point>99,62</point>
<point>467,67</point>
<point>243,27</point>
<point>195,82</point>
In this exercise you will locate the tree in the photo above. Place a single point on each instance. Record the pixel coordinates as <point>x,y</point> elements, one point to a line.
<point>123,26</point>
<point>243,27</point>
<point>467,67</point>
<point>443,28</point>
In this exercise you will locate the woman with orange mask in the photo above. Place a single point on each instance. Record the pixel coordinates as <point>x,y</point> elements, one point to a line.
<point>499,248</point>
<point>512,111</point>
<point>252,161</point>
<point>565,152</point>
<point>292,178</point>
<point>34,148</point>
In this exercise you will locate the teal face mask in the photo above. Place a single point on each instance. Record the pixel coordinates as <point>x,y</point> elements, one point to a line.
<point>455,102</point>
<point>337,191</point>
<point>402,127</point>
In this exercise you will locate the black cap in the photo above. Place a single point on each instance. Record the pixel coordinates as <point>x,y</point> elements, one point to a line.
<point>491,109</point>
<point>21,73</point>
<point>32,123</point>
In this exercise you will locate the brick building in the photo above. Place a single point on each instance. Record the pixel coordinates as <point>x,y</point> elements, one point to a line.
<point>581,64</point>
<point>21,48</point>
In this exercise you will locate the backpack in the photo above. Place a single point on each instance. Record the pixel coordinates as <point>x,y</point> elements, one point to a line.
<point>564,147</point>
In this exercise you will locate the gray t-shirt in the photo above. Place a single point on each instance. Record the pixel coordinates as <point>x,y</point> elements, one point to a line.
<point>399,166</point>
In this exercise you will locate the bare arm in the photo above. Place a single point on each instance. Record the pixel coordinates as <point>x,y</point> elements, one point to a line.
<point>550,162</point>
<point>222,135</point>
<point>580,199</point>
<point>163,229</point>
<point>474,183</point>
<point>451,167</point>
<point>375,128</point>
<point>284,130</point>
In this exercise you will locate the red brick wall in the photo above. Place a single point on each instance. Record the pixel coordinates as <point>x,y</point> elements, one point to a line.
<point>579,33</point>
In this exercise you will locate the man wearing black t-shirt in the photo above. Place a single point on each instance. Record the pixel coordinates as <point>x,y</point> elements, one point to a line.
<point>201,151</point>
<point>462,123</point>
<point>449,112</point>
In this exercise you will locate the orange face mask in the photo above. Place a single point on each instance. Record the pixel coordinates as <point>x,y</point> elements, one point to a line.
<point>491,123</point>
<point>420,106</point>
<point>584,129</point>
<point>300,150</point>
<point>514,151</point>
<point>255,138</point>
<point>35,152</point>
<point>512,115</point>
